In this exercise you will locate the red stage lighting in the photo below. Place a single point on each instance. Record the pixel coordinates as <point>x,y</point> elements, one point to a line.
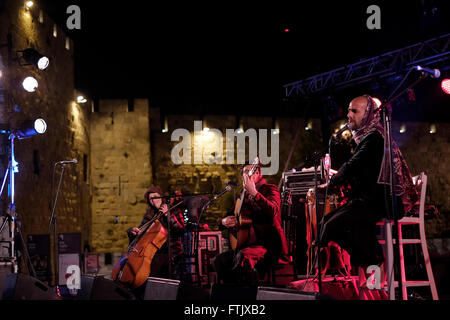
<point>445,85</point>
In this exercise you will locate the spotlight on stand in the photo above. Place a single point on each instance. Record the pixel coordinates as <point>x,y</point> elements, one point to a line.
<point>81,99</point>
<point>31,128</point>
<point>28,5</point>
<point>34,58</point>
<point>30,84</point>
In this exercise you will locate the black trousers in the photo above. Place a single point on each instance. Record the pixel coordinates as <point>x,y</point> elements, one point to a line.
<point>229,270</point>
<point>353,227</point>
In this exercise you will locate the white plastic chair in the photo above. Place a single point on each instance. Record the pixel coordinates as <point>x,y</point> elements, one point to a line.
<point>419,181</point>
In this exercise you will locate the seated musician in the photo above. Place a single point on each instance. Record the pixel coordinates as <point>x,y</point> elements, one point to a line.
<point>266,242</point>
<point>160,262</point>
<point>353,225</point>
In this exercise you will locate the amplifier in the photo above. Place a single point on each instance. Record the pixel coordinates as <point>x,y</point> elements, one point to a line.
<point>298,183</point>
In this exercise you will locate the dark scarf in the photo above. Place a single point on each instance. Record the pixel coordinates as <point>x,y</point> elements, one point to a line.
<point>404,186</point>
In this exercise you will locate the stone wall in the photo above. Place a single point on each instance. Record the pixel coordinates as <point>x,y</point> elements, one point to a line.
<point>67,134</point>
<point>429,152</point>
<point>212,178</point>
<point>121,171</point>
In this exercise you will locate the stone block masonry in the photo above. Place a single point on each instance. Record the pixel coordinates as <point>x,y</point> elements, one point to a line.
<point>121,171</point>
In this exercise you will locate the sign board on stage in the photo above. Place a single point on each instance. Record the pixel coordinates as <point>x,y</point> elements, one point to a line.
<point>69,243</point>
<point>69,249</point>
<point>39,250</point>
<point>91,264</point>
<point>65,261</point>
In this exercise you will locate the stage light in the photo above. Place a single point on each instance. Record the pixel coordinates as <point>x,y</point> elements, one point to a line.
<point>403,128</point>
<point>165,125</point>
<point>29,4</point>
<point>377,101</point>
<point>30,84</point>
<point>433,128</point>
<point>445,85</point>
<point>35,58</point>
<point>31,128</point>
<point>81,99</point>
<point>308,126</point>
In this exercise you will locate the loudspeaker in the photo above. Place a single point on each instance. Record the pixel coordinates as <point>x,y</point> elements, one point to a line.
<point>23,287</point>
<point>266,293</point>
<point>226,292</point>
<point>99,288</point>
<point>161,289</point>
<point>189,292</point>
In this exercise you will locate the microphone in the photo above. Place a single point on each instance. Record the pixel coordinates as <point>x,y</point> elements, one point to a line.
<point>434,73</point>
<point>234,184</point>
<point>75,161</point>
<point>347,126</point>
<point>228,188</point>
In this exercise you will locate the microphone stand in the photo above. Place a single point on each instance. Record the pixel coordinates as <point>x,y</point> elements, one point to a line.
<point>387,124</point>
<point>53,221</point>
<point>318,231</point>
<point>197,234</point>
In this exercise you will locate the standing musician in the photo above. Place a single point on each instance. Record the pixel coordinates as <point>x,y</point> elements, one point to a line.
<point>160,261</point>
<point>266,242</point>
<point>353,225</point>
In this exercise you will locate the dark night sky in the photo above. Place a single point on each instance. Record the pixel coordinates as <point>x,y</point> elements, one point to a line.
<point>228,54</point>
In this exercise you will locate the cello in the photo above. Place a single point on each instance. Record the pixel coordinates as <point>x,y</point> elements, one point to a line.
<point>240,234</point>
<point>134,267</point>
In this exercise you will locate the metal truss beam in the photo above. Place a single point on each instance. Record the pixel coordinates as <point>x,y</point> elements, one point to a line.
<point>388,64</point>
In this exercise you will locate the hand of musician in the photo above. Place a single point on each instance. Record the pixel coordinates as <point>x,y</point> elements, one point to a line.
<point>164,209</point>
<point>322,186</point>
<point>229,221</point>
<point>249,185</point>
<point>135,231</point>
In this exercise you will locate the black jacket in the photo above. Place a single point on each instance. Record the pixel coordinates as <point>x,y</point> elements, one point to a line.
<point>361,172</point>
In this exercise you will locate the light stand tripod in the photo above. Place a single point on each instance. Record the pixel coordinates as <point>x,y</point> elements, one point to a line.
<point>12,215</point>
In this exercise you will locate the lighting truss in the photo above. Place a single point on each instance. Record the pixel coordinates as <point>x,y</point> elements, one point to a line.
<point>386,65</point>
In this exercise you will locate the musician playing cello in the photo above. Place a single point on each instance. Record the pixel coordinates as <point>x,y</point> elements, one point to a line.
<point>265,242</point>
<point>160,262</point>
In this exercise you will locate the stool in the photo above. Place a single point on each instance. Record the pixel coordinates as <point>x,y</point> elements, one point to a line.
<point>419,181</point>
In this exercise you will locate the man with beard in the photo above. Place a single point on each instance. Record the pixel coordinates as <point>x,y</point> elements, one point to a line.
<point>353,225</point>
<point>266,243</point>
